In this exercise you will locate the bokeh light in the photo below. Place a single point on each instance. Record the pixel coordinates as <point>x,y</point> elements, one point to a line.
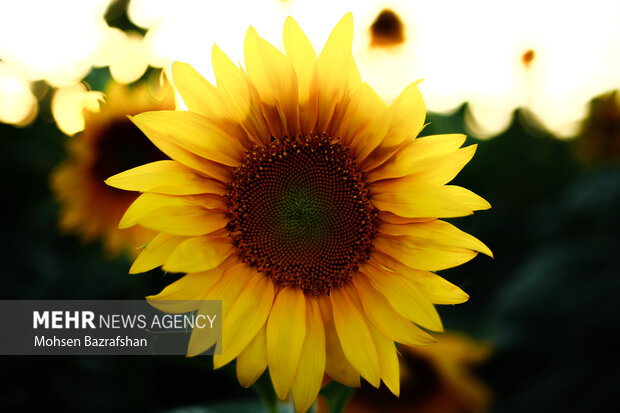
<point>465,51</point>
<point>69,103</point>
<point>18,106</point>
<point>54,41</point>
<point>129,60</point>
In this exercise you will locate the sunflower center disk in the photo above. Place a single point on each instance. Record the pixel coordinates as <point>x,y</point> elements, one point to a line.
<point>299,211</point>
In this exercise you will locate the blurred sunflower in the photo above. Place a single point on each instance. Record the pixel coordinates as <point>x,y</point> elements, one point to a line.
<point>434,379</point>
<point>109,144</point>
<point>600,133</point>
<point>301,200</point>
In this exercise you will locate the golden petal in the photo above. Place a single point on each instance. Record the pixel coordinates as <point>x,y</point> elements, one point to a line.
<point>436,233</point>
<point>244,320</point>
<point>276,82</point>
<point>352,329</point>
<point>303,59</point>
<point>420,200</point>
<point>419,155</point>
<point>404,296</point>
<point>387,320</point>
<point>337,73</point>
<point>156,252</point>
<point>406,120</point>
<point>336,364</point>
<point>165,177</point>
<point>252,361</point>
<point>227,289</point>
<point>240,96</point>
<point>199,254</point>
<point>192,132</point>
<point>312,360</point>
<point>421,256</point>
<point>286,331</point>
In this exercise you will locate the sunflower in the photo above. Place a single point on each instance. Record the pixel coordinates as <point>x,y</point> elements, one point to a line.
<point>435,379</point>
<point>599,138</point>
<point>109,144</point>
<point>301,200</point>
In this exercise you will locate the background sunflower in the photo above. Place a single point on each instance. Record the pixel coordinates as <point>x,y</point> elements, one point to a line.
<point>435,379</point>
<point>546,301</point>
<point>109,143</point>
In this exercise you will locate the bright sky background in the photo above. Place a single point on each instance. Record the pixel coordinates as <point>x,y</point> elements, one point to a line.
<point>464,50</point>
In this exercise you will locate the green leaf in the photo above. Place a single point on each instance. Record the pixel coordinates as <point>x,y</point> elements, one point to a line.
<point>337,396</point>
<point>265,390</point>
<point>253,406</point>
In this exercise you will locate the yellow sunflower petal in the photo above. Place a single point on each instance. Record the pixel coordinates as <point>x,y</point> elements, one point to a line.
<point>418,200</point>
<point>286,331</point>
<point>336,364</point>
<point>438,233</point>
<point>440,171</point>
<point>146,204</point>
<point>177,297</point>
<point>239,96</point>
<point>404,297</point>
<point>187,222</point>
<point>421,256</point>
<point>199,254</point>
<point>198,94</point>
<point>156,252</point>
<point>436,289</point>
<point>467,198</point>
<point>274,77</point>
<point>227,288</point>
<point>337,72</point>
<point>364,106</point>
<point>183,295</point>
<point>386,351</point>
<point>370,136</point>
<point>438,145</point>
<point>390,218</point>
<point>230,285</point>
<point>408,113</point>
<point>301,55</point>
<point>175,215</point>
<point>423,154</point>
<point>245,318</point>
<point>202,339</point>
<point>252,361</point>
<point>193,132</point>
<point>312,361</point>
<point>387,320</point>
<point>191,160</point>
<point>388,360</point>
<point>213,202</point>
<point>352,329</point>
<point>406,117</point>
<point>202,97</point>
<point>165,177</point>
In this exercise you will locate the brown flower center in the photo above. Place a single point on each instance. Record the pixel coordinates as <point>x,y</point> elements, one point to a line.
<point>121,146</point>
<point>299,211</point>
<point>387,30</point>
